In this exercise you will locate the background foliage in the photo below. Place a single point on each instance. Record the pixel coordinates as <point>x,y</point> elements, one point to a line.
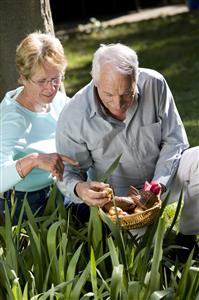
<point>170,45</point>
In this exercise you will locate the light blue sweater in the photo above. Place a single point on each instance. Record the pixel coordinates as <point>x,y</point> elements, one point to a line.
<point>23,132</point>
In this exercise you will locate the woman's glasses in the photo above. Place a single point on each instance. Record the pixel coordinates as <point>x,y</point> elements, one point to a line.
<point>44,82</point>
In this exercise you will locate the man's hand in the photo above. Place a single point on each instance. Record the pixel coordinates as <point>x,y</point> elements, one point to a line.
<point>154,186</point>
<point>93,193</point>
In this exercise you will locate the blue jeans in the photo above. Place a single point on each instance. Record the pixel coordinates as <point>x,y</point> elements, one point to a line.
<point>37,201</point>
<point>80,212</point>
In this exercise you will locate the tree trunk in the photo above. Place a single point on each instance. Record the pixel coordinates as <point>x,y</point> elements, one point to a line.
<point>137,5</point>
<point>17,19</point>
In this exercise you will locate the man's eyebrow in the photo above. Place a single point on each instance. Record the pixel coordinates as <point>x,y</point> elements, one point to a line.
<point>106,92</point>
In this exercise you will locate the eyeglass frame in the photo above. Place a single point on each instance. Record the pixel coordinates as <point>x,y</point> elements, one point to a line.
<point>44,82</point>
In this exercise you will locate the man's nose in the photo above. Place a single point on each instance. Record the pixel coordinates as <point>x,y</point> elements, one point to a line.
<point>118,102</point>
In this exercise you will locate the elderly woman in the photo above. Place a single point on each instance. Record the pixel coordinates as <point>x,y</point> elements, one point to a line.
<point>29,114</point>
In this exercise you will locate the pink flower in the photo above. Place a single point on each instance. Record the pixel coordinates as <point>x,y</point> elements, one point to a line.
<point>154,187</point>
<point>147,186</point>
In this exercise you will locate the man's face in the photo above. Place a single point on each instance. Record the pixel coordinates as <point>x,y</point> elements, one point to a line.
<point>116,91</point>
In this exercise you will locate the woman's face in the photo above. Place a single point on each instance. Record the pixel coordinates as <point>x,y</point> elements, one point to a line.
<point>43,84</point>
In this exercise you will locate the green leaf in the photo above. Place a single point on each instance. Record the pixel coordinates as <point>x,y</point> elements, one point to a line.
<point>193,282</point>
<point>147,241</point>
<point>182,286</point>
<point>16,290</point>
<point>54,199</point>
<point>110,170</point>
<point>35,241</point>
<point>76,291</point>
<point>161,294</point>
<point>154,282</point>
<point>113,252</point>
<point>11,252</point>
<point>117,282</point>
<point>63,256</point>
<point>93,274</point>
<point>70,275</point>
<point>178,208</point>
<point>25,292</point>
<point>52,249</point>
<point>5,275</point>
<point>52,292</point>
<point>95,235</point>
<point>30,216</point>
<point>116,231</point>
<point>134,288</point>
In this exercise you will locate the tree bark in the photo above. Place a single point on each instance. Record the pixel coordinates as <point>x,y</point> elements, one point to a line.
<point>137,5</point>
<point>17,19</point>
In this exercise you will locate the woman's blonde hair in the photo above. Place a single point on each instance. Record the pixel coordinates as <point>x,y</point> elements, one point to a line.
<point>35,50</point>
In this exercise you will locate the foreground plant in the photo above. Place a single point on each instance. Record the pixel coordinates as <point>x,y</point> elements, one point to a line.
<point>52,258</point>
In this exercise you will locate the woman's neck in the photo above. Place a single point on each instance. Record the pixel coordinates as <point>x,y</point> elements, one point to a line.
<point>25,100</point>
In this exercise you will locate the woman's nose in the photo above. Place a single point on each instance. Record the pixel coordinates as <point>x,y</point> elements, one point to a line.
<point>50,86</point>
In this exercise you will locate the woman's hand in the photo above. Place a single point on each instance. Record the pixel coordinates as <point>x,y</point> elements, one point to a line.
<point>92,193</point>
<point>52,162</point>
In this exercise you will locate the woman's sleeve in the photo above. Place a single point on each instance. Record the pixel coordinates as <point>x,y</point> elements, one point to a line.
<point>12,127</point>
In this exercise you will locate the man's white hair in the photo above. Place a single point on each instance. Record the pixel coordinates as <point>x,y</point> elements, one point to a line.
<point>121,57</point>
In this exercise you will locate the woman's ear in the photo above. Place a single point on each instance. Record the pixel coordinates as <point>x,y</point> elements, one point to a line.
<point>22,80</point>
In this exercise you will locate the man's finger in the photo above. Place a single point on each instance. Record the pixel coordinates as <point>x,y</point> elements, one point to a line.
<point>98,186</point>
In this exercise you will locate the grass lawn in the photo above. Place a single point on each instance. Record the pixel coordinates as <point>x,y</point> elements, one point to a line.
<point>170,45</point>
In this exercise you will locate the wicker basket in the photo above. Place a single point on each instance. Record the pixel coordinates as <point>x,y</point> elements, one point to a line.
<point>138,220</point>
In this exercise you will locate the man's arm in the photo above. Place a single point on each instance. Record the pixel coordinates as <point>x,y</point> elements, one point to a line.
<point>74,184</point>
<point>65,143</point>
<point>174,138</point>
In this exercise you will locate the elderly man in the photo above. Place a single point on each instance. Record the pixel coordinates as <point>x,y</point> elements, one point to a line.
<point>129,110</point>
